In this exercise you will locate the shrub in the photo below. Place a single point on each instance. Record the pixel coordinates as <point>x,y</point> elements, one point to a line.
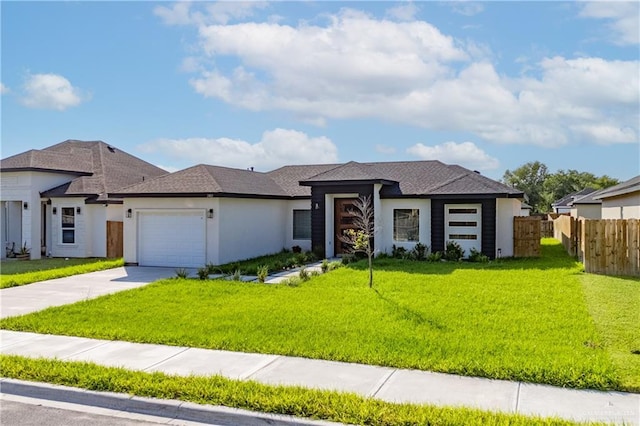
<point>477,256</point>
<point>398,252</point>
<point>453,252</point>
<point>299,259</point>
<point>434,256</point>
<point>310,257</point>
<point>203,273</point>
<point>419,251</point>
<point>182,273</point>
<point>304,274</point>
<point>237,275</point>
<point>263,273</point>
<point>296,249</point>
<point>211,268</point>
<point>335,265</point>
<point>324,266</point>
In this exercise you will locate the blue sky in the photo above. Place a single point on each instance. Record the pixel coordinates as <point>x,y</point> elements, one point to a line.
<point>487,85</point>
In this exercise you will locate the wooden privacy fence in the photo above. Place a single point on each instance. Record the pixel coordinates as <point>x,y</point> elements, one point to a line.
<point>610,246</point>
<point>605,246</point>
<point>546,229</point>
<point>526,236</point>
<point>114,239</point>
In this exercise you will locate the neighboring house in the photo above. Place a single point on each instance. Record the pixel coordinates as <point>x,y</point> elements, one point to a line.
<point>209,214</point>
<point>586,206</point>
<point>525,209</point>
<point>621,201</point>
<point>563,205</point>
<point>55,200</point>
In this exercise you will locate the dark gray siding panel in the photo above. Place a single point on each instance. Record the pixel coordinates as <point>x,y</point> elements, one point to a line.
<point>318,215</point>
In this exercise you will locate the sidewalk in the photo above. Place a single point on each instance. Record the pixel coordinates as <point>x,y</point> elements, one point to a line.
<point>388,384</point>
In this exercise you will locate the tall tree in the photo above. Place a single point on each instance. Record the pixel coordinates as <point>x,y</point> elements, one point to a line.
<point>529,178</point>
<point>359,238</point>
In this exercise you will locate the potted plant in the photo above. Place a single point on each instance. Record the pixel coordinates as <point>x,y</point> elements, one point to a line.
<point>24,253</point>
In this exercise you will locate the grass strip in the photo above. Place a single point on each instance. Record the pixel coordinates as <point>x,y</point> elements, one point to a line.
<point>18,273</point>
<point>216,390</point>
<point>614,305</point>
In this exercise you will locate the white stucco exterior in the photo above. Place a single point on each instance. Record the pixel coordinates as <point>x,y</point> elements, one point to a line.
<point>625,206</point>
<point>506,210</point>
<point>587,211</point>
<point>385,234</point>
<point>240,228</point>
<point>25,187</point>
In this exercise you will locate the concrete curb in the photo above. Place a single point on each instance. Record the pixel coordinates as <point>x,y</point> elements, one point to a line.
<point>169,409</point>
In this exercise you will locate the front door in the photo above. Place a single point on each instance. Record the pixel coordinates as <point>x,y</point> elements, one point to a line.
<point>343,220</point>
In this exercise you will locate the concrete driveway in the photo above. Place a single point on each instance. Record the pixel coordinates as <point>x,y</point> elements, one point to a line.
<point>61,291</point>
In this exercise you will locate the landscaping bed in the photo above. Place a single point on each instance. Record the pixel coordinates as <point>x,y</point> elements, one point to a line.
<point>512,319</point>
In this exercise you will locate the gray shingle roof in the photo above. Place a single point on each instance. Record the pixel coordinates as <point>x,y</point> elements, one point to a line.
<point>406,178</point>
<point>102,168</point>
<point>204,179</point>
<point>586,199</point>
<point>626,187</point>
<point>568,199</point>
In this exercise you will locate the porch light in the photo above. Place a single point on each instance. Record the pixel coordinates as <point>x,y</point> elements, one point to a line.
<point>78,210</point>
<point>499,253</point>
<point>26,205</point>
<point>210,214</point>
<point>54,210</point>
<point>317,206</point>
<point>129,213</point>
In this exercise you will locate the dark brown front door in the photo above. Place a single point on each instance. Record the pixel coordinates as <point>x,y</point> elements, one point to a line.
<point>343,221</point>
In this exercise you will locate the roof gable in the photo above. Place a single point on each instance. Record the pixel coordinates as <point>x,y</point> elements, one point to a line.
<point>626,187</point>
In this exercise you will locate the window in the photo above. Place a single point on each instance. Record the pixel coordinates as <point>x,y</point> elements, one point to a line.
<point>406,224</point>
<point>463,211</point>
<point>463,237</point>
<point>463,223</point>
<point>302,224</point>
<point>68,225</point>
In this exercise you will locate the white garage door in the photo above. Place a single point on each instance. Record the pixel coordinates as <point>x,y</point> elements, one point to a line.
<point>463,225</point>
<point>172,238</point>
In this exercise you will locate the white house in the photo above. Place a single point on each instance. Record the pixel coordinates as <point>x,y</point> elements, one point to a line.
<point>209,214</point>
<point>61,198</point>
<point>55,200</point>
<point>621,201</point>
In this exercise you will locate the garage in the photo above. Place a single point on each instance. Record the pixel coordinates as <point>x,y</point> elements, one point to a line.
<point>172,238</point>
<point>463,224</point>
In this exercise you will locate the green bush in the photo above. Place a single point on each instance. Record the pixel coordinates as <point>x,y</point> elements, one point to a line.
<point>419,251</point>
<point>453,252</point>
<point>435,256</point>
<point>324,266</point>
<point>477,256</point>
<point>263,273</point>
<point>203,273</point>
<point>181,273</point>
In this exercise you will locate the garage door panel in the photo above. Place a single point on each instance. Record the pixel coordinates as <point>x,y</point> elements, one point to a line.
<point>174,239</point>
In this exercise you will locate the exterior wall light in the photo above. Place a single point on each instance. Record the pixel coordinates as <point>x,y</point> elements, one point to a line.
<point>54,210</point>
<point>78,210</point>
<point>26,205</point>
<point>499,253</point>
<point>317,206</point>
<point>210,214</point>
<point>129,213</point>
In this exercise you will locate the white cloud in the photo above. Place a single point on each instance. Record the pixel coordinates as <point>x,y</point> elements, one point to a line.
<point>467,8</point>
<point>4,89</point>
<point>169,169</point>
<point>179,14</point>
<point>466,154</point>
<point>623,19</point>
<point>403,12</point>
<point>220,12</point>
<point>276,148</point>
<point>50,91</point>
<point>411,73</point>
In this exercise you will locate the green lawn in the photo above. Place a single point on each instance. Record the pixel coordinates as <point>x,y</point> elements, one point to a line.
<point>513,319</point>
<point>15,273</point>
<point>335,406</point>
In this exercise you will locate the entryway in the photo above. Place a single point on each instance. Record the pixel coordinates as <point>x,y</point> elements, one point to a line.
<point>343,221</point>
<point>463,225</point>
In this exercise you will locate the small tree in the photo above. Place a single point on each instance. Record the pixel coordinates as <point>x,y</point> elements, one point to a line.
<point>359,238</point>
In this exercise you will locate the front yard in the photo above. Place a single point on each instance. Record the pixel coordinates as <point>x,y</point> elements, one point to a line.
<point>14,273</point>
<point>533,320</point>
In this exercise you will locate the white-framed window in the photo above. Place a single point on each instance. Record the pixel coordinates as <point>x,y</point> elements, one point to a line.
<point>68,225</point>
<point>406,224</point>
<point>302,224</point>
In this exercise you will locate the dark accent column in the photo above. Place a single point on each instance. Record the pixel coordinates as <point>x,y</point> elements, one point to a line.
<point>437,225</point>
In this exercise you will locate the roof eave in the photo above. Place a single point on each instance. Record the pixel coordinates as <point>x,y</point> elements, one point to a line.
<point>346,182</point>
<point>38,169</point>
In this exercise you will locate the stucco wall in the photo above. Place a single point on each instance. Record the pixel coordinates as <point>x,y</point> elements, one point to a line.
<point>385,231</point>
<point>587,211</point>
<point>251,227</point>
<point>26,187</point>
<point>82,246</point>
<point>137,205</point>
<point>506,210</point>
<point>289,241</point>
<point>623,207</point>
